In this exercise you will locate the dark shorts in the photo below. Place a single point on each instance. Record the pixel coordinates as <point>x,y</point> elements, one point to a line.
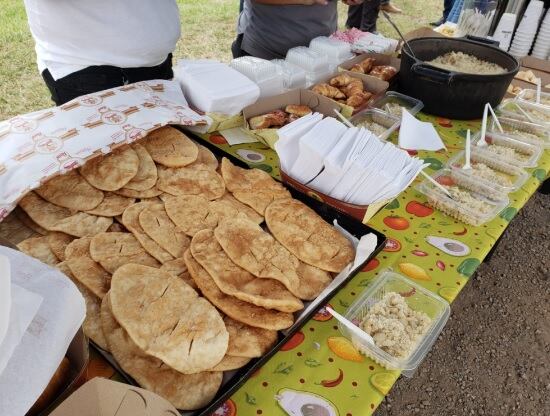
<point>98,78</point>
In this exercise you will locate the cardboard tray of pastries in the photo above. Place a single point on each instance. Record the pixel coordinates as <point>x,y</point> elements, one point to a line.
<point>178,254</point>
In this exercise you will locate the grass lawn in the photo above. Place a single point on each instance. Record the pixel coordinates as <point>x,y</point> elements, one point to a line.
<point>208,28</point>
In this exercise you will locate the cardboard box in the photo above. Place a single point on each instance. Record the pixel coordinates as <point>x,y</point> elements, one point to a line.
<point>102,397</point>
<point>362,212</point>
<point>371,84</point>
<point>421,32</point>
<point>269,137</point>
<point>540,68</point>
<point>381,59</point>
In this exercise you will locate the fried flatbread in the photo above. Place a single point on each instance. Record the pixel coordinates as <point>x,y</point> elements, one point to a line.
<point>184,391</point>
<point>235,281</point>
<point>256,251</point>
<point>248,341</point>
<point>170,147</point>
<point>230,362</point>
<point>55,218</point>
<point>58,243</point>
<point>235,308</point>
<point>130,219</point>
<point>155,222</point>
<point>146,176</point>
<point>131,193</point>
<point>178,268</point>
<point>85,269</point>
<point>306,235</point>
<point>112,205</point>
<point>195,180</point>
<point>206,157</point>
<point>28,221</point>
<point>39,248</point>
<point>113,250</point>
<point>71,191</point>
<point>112,171</point>
<point>167,319</point>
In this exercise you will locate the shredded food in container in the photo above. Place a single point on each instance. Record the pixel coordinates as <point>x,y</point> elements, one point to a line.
<point>465,63</point>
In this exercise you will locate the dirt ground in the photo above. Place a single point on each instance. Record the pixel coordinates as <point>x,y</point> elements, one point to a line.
<point>493,358</point>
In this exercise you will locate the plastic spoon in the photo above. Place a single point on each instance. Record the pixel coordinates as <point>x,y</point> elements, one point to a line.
<point>497,122</point>
<point>438,185</point>
<point>523,112</point>
<point>481,142</point>
<point>538,90</point>
<point>358,332</point>
<point>467,152</point>
<point>344,120</point>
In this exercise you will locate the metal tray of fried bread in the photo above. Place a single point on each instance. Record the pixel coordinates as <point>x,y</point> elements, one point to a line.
<point>233,380</point>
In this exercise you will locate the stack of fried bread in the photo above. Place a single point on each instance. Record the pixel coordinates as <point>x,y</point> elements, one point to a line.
<point>345,89</point>
<point>188,267</point>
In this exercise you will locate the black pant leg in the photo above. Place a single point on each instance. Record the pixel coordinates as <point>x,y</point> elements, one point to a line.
<point>370,15</point>
<point>355,15</point>
<point>236,49</point>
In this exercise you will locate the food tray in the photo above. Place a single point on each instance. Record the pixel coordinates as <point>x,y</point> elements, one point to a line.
<point>412,105</point>
<point>336,50</point>
<point>315,64</point>
<point>533,152</point>
<point>469,179</point>
<point>374,115</point>
<point>539,114</point>
<point>418,299</point>
<point>522,131</point>
<point>235,379</point>
<point>262,72</point>
<point>530,96</point>
<point>294,77</point>
<point>457,210</point>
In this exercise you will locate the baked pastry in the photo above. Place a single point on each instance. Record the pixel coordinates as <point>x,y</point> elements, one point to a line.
<point>364,66</point>
<point>276,118</point>
<point>328,91</point>
<point>298,110</point>
<point>342,80</point>
<point>359,99</point>
<point>384,72</point>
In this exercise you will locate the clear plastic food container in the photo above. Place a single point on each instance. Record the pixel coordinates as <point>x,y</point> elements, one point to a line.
<point>294,77</point>
<point>418,299</point>
<point>262,72</point>
<point>530,96</point>
<point>537,114</point>
<point>315,64</point>
<point>337,51</point>
<point>524,131</point>
<point>377,121</point>
<point>393,102</point>
<point>508,149</point>
<point>475,209</point>
<point>509,178</point>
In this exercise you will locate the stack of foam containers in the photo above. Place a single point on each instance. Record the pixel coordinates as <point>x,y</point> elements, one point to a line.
<point>264,73</point>
<point>527,30</point>
<point>315,64</point>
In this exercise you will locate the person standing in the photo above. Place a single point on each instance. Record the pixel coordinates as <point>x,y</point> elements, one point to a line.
<point>88,46</point>
<point>447,7</point>
<point>364,16</point>
<point>275,26</point>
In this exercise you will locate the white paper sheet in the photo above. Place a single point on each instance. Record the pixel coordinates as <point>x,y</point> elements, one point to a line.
<point>5,297</point>
<point>238,135</point>
<point>47,338</point>
<point>418,135</point>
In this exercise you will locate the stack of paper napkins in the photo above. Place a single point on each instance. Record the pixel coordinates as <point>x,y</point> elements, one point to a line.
<point>41,310</point>
<point>214,87</point>
<point>349,164</point>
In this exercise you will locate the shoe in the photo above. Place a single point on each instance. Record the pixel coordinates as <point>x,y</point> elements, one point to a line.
<point>438,23</point>
<point>390,8</point>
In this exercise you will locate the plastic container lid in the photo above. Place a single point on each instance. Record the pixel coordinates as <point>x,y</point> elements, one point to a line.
<point>386,123</point>
<point>336,50</point>
<point>262,72</point>
<point>392,99</point>
<point>310,60</point>
<point>530,96</point>
<point>524,131</point>
<point>457,209</point>
<point>294,77</point>
<point>418,299</point>
<point>475,181</point>
<point>539,114</point>
<point>524,155</point>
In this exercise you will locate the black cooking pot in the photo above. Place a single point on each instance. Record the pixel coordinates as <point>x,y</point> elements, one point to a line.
<point>454,94</point>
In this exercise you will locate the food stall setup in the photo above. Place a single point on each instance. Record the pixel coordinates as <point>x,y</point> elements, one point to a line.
<point>260,237</point>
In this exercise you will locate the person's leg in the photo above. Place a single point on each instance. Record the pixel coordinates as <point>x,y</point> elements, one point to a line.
<point>388,7</point>
<point>236,48</point>
<point>447,6</point>
<point>370,15</point>
<point>85,81</point>
<point>355,15</point>
<point>241,5</point>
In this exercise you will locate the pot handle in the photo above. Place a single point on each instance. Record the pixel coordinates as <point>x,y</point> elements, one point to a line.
<point>484,41</point>
<point>439,75</point>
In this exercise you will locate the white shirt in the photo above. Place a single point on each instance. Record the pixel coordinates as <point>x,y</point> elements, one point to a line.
<point>71,35</point>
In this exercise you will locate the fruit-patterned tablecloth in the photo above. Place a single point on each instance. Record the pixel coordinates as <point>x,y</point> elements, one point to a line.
<point>319,372</point>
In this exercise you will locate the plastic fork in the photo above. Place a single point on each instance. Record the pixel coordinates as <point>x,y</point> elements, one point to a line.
<point>358,332</point>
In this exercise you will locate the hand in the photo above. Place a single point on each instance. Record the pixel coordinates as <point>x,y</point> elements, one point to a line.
<point>352,2</point>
